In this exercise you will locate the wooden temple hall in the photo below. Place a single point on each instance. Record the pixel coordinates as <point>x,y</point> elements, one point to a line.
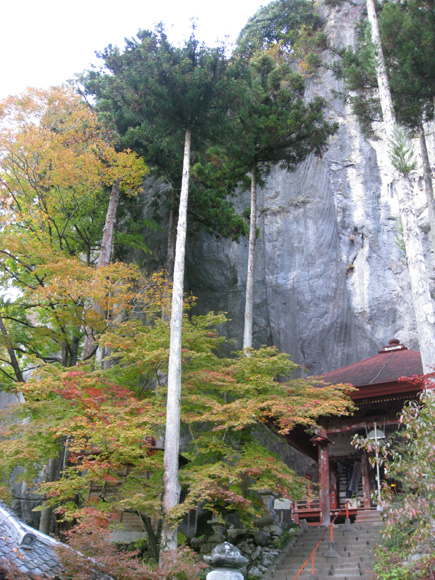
<point>344,471</point>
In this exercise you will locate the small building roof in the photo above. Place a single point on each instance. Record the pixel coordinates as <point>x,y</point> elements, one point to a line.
<point>30,552</point>
<point>26,549</point>
<point>378,391</point>
<point>391,362</point>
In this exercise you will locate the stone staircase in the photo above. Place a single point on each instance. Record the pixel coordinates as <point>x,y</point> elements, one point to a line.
<point>348,558</point>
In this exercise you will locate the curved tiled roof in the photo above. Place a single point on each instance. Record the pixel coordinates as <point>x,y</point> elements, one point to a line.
<point>30,552</point>
<point>392,362</point>
<point>26,549</point>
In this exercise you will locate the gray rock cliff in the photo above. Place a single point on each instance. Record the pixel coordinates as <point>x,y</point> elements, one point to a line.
<point>331,280</point>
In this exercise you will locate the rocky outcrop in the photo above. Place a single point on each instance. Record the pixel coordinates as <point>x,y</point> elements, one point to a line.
<point>331,280</point>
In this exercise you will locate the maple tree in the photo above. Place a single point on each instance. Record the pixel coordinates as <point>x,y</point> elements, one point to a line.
<point>56,162</point>
<point>107,419</point>
<point>100,420</point>
<point>57,165</point>
<point>94,554</point>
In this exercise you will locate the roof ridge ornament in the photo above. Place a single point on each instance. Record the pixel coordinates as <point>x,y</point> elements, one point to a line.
<point>393,344</point>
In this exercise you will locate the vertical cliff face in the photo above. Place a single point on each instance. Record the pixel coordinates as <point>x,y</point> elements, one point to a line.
<point>331,280</point>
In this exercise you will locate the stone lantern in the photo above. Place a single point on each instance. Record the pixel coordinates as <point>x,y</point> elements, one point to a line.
<point>226,560</point>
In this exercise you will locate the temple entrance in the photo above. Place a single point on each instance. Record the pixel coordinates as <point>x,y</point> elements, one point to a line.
<point>345,472</point>
<point>348,475</point>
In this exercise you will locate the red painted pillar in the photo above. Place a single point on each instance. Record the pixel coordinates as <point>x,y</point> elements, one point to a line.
<point>334,489</point>
<point>325,506</point>
<point>365,481</point>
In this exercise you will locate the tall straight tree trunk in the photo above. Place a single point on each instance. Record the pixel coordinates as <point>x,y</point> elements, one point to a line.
<point>109,227</point>
<point>170,256</point>
<point>172,237</point>
<point>89,347</point>
<point>173,405</point>
<point>423,305</point>
<point>428,188</point>
<point>250,278</point>
<point>381,72</point>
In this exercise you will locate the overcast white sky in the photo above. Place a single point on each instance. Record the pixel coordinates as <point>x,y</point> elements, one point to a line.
<point>45,42</point>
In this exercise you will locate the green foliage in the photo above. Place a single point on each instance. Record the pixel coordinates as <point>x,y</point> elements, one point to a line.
<point>389,565</point>
<point>399,237</point>
<point>57,164</point>
<point>107,420</point>
<point>408,542</point>
<point>270,122</point>
<point>277,25</point>
<point>287,30</point>
<point>407,31</point>
<point>412,464</point>
<point>408,35</point>
<point>287,535</point>
<point>401,152</point>
<point>131,225</point>
<point>334,3</point>
<point>151,93</point>
<point>213,183</point>
<point>394,565</point>
<point>47,318</point>
<point>357,67</point>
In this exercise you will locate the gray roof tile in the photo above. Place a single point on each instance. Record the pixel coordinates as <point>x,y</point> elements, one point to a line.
<point>28,549</point>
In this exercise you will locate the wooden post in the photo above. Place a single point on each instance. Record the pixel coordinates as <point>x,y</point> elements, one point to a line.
<point>334,488</point>
<point>325,506</point>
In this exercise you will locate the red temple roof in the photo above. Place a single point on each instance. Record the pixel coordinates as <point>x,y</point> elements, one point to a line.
<point>391,363</point>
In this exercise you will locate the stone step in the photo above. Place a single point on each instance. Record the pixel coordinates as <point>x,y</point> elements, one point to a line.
<point>326,573</point>
<point>368,516</point>
<point>321,563</point>
<point>306,537</point>
<point>350,545</point>
<point>353,547</point>
<point>346,551</point>
<point>359,529</point>
<point>346,568</point>
<point>346,576</point>
<point>354,560</point>
<point>307,541</point>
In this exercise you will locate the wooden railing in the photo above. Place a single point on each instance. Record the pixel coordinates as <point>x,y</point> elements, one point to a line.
<point>308,503</point>
<point>307,508</point>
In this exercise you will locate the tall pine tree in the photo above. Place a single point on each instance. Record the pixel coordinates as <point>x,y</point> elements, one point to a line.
<point>174,99</point>
<point>138,104</point>
<point>272,125</point>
